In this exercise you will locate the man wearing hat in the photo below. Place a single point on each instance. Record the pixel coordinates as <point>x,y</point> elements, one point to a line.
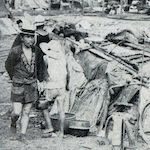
<point>24,65</point>
<point>42,34</point>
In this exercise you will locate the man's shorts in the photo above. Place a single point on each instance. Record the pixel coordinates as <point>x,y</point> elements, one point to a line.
<point>49,97</point>
<point>24,93</point>
<point>58,94</point>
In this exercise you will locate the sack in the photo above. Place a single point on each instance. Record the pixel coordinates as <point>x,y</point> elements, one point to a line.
<point>41,103</point>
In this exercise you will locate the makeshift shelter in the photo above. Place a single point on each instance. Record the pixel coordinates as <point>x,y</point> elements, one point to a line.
<point>93,103</point>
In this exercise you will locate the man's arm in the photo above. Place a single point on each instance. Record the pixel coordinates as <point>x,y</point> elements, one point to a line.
<point>10,63</point>
<point>67,77</point>
<point>42,73</point>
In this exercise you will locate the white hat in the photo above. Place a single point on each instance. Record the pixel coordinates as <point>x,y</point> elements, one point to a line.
<point>39,20</point>
<point>52,49</point>
<point>28,28</point>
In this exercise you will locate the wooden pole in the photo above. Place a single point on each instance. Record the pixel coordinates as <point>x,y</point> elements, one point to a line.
<point>82,7</point>
<point>103,6</point>
<point>121,3</point>
<point>72,7</point>
<point>49,6</point>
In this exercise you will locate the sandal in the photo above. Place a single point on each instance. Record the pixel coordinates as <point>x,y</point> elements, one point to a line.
<point>48,134</point>
<point>45,131</point>
<point>54,134</point>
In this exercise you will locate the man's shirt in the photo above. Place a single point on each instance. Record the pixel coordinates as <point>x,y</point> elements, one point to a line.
<point>57,67</point>
<point>20,71</point>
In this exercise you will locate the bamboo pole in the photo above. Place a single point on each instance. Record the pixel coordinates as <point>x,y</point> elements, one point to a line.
<point>139,100</point>
<point>121,3</point>
<point>103,6</point>
<point>72,7</point>
<point>49,10</point>
<point>82,7</point>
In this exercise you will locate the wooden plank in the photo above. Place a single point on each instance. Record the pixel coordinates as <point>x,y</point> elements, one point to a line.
<point>129,67</point>
<point>138,46</point>
<point>100,54</point>
<point>131,57</point>
<point>140,60</point>
<point>125,96</point>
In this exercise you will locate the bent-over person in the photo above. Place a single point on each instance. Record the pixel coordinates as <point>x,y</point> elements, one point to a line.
<point>55,87</point>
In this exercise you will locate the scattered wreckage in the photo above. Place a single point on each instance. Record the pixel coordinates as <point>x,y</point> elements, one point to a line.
<point>116,92</point>
<point>116,85</point>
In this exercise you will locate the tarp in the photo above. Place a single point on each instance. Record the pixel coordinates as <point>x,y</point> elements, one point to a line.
<point>92,103</point>
<point>90,64</point>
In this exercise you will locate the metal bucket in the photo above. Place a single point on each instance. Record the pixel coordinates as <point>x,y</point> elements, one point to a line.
<point>56,121</point>
<point>79,128</point>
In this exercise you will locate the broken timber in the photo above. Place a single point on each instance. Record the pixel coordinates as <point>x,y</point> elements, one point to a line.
<point>126,95</point>
<point>138,46</point>
<point>100,52</point>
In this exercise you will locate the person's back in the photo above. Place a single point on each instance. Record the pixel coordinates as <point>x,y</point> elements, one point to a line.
<point>56,66</point>
<point>56,84</point>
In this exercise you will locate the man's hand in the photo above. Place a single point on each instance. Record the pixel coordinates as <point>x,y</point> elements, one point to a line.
<point>45,60</point>
<point>67,87</point>
<point>41,86</point>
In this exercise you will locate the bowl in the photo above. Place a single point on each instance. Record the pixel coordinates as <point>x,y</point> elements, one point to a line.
<point>56,121</point>
<point>79,128</point>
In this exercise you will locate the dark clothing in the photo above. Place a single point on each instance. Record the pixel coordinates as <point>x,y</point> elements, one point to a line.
<point>17,41</point>
<point>25,75</point>
<point>12,4</point>
<point>20,71</point>
<point>24,93</point>
<point>41,39</point>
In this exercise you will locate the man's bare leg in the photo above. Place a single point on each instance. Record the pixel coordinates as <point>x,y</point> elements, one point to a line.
<point>17,108</point>
<point>48,121</point>
<point>25,117</point>
<point>61,114</point>
<point>72,98</point>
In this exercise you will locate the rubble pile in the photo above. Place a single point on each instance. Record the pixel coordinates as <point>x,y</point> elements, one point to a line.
<point>126,55</point>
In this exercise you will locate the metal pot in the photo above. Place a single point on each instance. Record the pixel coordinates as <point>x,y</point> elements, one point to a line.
<point>130,148</point>
<point>56,121</point>
<point>79,128</point>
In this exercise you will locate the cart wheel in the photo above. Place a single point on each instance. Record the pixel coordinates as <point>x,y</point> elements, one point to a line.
<point>144,123</point>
